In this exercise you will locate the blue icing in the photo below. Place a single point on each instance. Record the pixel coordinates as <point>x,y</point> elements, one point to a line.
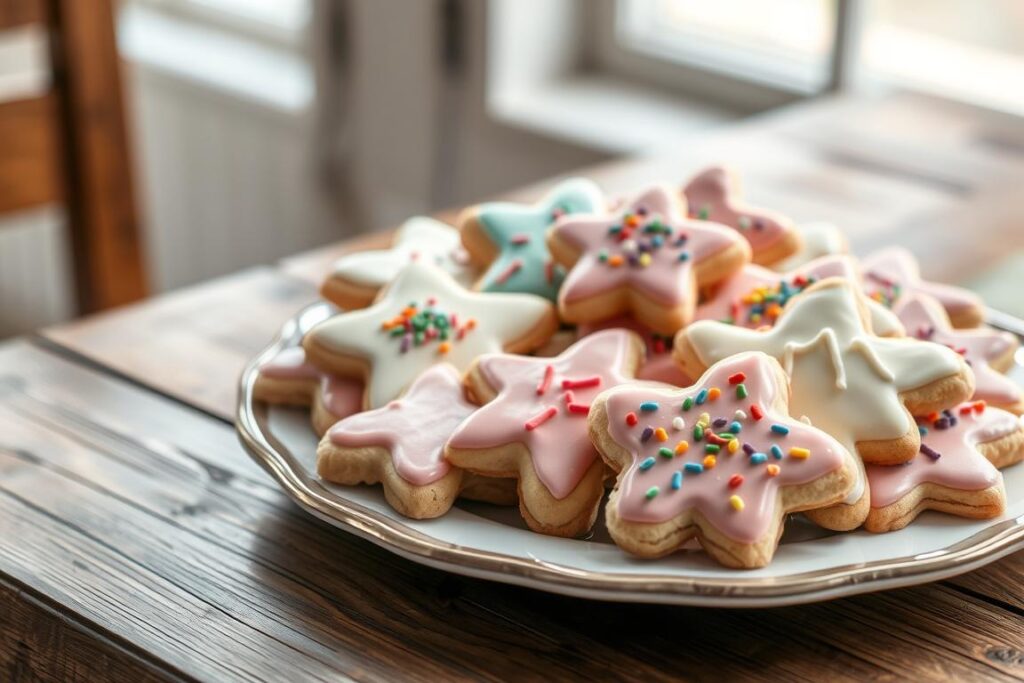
<point>504,222</point>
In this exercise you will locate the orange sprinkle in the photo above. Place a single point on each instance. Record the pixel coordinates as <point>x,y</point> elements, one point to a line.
<point>615,260</point>
<point>714,393</point>
<point>773,470</point>
<point>682,447</point>
<point>632,220</point>
<point>979,406</point>
<point>444,347</point>
<point>471,324</point>
<point>710,462</point>
<point>660,434</point>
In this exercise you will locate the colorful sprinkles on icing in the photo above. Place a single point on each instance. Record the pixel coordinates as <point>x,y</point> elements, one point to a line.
<point>416,326</point>
<point>733,464</point>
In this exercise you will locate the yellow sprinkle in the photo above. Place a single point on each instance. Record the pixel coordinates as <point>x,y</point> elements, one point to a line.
<point>734,445</point>
<point>682,447</point>
<point>737,503</point>
<point>710,462</point>
<point>801,453</point>
<point>714,393</point>
<point>645,259</point>
<point>773,470</point>
<point>660,434</point>
<point>704,420</point>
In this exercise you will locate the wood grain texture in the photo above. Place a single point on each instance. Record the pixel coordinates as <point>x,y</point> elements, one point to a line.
<point>145,521</point>
<point>103,220</point>
<point>193,343</point>
<point>30,172</point>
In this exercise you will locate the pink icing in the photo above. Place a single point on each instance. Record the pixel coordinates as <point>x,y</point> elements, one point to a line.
<point>667,279</point>
<point>415,427</point>
<point>341,396</point>
<point>560,448</point>
<point>892,272</point>
<point>712,195</point>
<point>960,465</point>
<point>727,303</point>
<point>978,346</point>
<point>659,366</point>
<point>710,491</point>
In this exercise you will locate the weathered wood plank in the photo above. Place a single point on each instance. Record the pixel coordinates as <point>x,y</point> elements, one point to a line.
<point>191,344</point>
<point>29,166</point>
<point>225,578</point>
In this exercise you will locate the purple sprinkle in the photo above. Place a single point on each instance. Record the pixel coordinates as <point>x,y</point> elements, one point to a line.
<point>643,247</point>
<point>930,452</point>
<point>748,449</point>
<point>719,422</point>
<point>633,259</point>
<point>406,341</point>
<point>641,210</point>
<point>941,423</point>
<point>758,224</point>
<point>647,433</point>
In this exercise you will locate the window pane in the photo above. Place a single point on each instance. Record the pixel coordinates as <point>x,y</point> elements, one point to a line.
<point>962,48</point>
<point>784,42</point>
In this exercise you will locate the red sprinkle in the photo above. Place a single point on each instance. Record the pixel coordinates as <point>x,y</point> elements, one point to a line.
<point>966,409</point>
<point>521,238</point>
<point>569,397</point>
<point>735,480</point>
<point>632,419</point>
<point>581,383</point>
<point>737,378</point>
<point>540,418</point>
<point>579,408</point>
<point>979,407</point>
<point>659,345</point>
<point>545,382</point>
<point>755,411</point>
<point>512,269</point>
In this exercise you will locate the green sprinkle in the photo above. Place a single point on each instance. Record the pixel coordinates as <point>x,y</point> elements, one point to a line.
<point>741,391</point>
<point>687,403</point>
<point>698,432</point>
<point>712,448</point>
<point>666,453</point>
<point>651,492</point>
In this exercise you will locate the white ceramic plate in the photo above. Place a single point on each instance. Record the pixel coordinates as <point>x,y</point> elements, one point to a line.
<point>491,542</point>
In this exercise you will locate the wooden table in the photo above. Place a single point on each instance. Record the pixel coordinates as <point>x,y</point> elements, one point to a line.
<point>139,542</point>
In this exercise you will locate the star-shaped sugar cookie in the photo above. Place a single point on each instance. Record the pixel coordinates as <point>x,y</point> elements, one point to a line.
<point>508,239</point>
<point>289,379</point>
<point>955,470</point>
<point>892,272</point>
<point>421,318</point>
<point>755,296</point>
<point>401,445</point>
<point>658,365</point>
<point>533,426</point>
<point>986,350</point>
<point>721,460</point>
<point>644,259</point>
<point>714,195</point>
<point>855,386</point>
<point>356,278</point>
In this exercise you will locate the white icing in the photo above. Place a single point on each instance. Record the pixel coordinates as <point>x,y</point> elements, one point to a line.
<point>419,238</point>
<point>819,239</point>
<point>501,320</point>
<point>873,370</point>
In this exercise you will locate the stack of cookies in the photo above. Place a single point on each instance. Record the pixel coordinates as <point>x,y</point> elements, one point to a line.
<point>713,364</point>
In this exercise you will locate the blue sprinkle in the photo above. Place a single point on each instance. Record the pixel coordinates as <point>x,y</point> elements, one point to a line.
<point>702,396</point>
<point>649,406</point>
<point>922,430</point>
<point>684,256</point>
<point>776,451</point>
<point>695,467</point>
<point>780,429</point>
<point>677,480</point>
<point>647,464</point>
<point>758,459</point>
<point>735,427</point>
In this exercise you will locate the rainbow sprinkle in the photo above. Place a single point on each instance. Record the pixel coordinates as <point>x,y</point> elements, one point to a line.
<point>416,326</point>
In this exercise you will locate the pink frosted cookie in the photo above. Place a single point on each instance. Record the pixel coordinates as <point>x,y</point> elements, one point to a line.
<point>955,472</point>
<point>533,427</point>
<point>658,365</point>
<point>755,296</point>
<point>644,258</point>
<point>288,379</point>
<point>860,388</point>
<point>421,318</point>
<point>986,350</point>
<point>401,445</point>
<point>893,272</point>
<point>715,195</point>
<point>721,460</point>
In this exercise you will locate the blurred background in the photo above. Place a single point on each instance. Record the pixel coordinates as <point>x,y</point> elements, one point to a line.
<point>147,145</point>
